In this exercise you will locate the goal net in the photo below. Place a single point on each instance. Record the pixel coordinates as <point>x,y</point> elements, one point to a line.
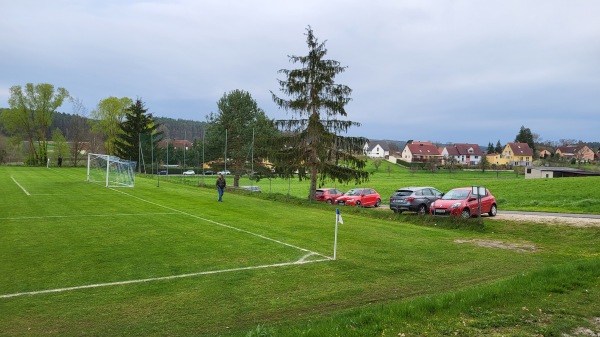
<point>110,170</point>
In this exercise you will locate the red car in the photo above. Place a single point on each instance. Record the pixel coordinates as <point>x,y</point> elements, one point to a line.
<point>328,194</point>
<point>360,197</point>
<point>463,202</point>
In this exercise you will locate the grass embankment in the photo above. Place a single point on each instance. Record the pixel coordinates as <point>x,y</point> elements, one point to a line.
<point>391,277</point>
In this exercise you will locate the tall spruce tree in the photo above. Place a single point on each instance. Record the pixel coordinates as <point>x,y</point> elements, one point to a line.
<point>138,125</point>
<point>312,141</point>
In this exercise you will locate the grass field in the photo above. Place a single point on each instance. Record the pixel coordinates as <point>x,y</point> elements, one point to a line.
<point>167,259</point>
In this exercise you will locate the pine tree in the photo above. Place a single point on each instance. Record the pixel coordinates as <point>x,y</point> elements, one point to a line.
<point>248,131</point>
<point>498,148</point>
<point>312,141</point>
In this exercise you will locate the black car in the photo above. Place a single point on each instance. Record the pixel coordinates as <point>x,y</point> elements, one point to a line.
<point>414,199</point>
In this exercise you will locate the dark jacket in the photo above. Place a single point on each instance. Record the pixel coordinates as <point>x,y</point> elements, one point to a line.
<point>221,183</point>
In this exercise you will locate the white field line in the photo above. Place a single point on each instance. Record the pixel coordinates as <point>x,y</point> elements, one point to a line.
<point>153,279</point>
<point>224,225</point>
<point>16,182</point>
<point>86,215</point>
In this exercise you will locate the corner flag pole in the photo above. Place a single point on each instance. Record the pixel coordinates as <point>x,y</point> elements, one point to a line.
<point>338,218</point>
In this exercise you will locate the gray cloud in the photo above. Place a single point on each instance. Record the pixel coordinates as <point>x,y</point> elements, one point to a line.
<point>462,71</point>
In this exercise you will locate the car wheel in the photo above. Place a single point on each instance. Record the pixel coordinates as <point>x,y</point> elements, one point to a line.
<point>397,211</point>
<point>329,201</point>
<point>465,213</point>
<point>358,204</point>
<point>422,210</point>
<point>493,210</point>
<point>378,203</point>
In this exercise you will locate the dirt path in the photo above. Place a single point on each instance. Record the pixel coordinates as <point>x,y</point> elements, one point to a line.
<point>549,219</point>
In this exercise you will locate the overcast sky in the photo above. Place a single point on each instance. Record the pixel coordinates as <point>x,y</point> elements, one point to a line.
<point>464,71</point>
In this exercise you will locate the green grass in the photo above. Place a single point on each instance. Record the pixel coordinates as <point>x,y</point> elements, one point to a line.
<point>394,274</point>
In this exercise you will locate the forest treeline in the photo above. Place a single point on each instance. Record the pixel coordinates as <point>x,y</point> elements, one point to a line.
<point>171,128</point>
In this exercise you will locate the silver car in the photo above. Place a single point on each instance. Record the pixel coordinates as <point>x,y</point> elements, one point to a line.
<point>414,199</point>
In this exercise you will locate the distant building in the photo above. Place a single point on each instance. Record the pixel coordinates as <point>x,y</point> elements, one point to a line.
<point>178,144</point>
<point>466,154</point>
<point>420,152</point>
<point>377,149</point>
<point>556,172</point>
<point>579,152</point>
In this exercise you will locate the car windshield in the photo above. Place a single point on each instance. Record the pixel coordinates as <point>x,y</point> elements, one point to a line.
<point>456,195</point>
<point>353,192</point>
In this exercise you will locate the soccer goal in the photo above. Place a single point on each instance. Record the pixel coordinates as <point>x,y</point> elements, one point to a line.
<point>110,170</point>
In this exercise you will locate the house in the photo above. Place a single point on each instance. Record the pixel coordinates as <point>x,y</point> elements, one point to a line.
<point>466,154</point>
<point>496,159</point>
<point>556,172</point>
<point>579,152</point>
<point>377,149</point>
<point>420,152</point>
<point>544,154</point>
<point>180,144</point>
<point>519,154</point>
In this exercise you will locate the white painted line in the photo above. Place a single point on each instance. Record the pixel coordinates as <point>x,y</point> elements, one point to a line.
<point>153,279</point>
<point>16,182</point>
<point>86,215</point>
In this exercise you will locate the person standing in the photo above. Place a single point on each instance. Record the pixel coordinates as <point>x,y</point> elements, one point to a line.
<point>59,160</point>
<point>221,183</point>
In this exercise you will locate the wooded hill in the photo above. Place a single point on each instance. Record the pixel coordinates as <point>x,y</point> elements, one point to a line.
<point>172,128</point>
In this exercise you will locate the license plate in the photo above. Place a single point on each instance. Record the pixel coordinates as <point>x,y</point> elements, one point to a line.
<point>341,202</point>
<point>440,211</point>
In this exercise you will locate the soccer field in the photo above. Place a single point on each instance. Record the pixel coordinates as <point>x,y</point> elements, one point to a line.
<point>61,233</point>
<point>168,259</point>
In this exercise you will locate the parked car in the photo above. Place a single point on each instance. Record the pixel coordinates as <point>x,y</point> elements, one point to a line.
<point>162,173</point>
<point>209,173</point>
<point>362,197</point>
<point>414,199</point>
<point>189,173</point>
<point>462,202</point>
<point>224,172</point>
<point>328,195</point>
<point>251,188</point>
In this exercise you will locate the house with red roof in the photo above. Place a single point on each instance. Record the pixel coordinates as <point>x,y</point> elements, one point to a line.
<point>519,154</point>
<point>580,152</point>
<point>420,152</point>
<point>466,154</point>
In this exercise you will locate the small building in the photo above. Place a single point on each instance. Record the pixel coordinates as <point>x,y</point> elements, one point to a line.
<point>556,172</point>
<point>377,149</point>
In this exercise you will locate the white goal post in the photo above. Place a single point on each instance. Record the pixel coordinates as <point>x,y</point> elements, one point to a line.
<point>112,171</point>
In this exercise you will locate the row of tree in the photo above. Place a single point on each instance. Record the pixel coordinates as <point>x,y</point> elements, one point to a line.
<point>310,144</point>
